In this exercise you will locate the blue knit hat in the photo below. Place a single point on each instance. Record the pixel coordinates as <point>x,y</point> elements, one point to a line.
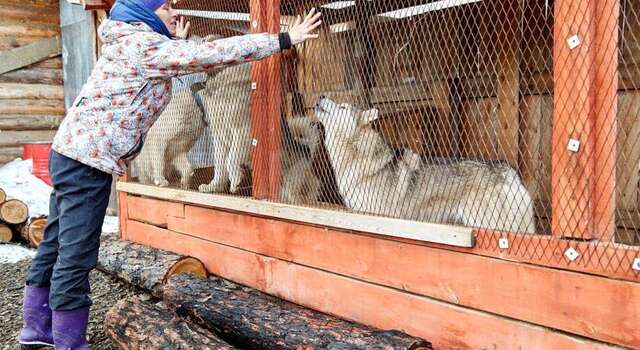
<point>153,4</point>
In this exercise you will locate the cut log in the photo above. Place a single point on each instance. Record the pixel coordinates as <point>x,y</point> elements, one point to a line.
<point>5,233</point>
<point>253,320</point>
<point>14,212</point>
<point>32,75</point>
<point>135,325</point>
<point>3,196</point>
<point>144,267</point>
<point>32,231</point>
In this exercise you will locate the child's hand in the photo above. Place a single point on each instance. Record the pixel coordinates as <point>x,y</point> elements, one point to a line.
<point>300,31</point>
<point>182,29</point>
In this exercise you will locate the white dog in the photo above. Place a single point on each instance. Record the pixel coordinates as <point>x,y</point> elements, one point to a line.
<point>228,110</point>
<point>372,180</point>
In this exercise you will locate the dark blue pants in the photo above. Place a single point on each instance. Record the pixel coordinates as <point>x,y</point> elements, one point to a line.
<point>69,249</point>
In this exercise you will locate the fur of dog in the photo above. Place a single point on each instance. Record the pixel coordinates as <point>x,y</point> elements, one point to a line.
<point>300,142</point>
<point>172,136</point>
<point>372,179</point>
<point>228,107</point>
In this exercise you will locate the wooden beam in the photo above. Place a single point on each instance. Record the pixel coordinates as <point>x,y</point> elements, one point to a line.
<point>508,39</point>
<point>32,107</point>
<point>33,76</point>
<point>606,81</point>
<point>30,122</point>
<point>153,211</point>
<point>31,91</point>
<point>420,231</point>
<point>29,54</point>
<point>265,106</point>
<point>353,299</point>
<point>572,173</point>
<point>17,138</point>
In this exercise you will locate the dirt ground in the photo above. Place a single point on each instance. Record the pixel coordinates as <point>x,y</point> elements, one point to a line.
<point>106,291</point>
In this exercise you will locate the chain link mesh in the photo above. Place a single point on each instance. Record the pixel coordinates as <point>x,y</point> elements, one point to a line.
<point>437,111</point>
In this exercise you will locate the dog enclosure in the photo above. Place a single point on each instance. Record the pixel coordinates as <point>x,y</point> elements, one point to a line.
<point>442,160</point>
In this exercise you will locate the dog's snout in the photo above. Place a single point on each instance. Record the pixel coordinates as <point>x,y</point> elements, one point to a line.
<point>322,97</point>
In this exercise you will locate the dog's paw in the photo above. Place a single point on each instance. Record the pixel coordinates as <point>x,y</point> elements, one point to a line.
<point>161,182</point>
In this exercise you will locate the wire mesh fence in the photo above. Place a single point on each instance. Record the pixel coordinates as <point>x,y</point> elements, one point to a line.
<point>498,115</point>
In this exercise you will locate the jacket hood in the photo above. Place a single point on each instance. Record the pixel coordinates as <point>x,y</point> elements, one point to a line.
<point>110,31</point>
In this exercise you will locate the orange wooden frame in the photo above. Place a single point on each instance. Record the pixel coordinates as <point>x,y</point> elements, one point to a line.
<point>529,296</point>
<point>582,304</point>
<point>585,68</point>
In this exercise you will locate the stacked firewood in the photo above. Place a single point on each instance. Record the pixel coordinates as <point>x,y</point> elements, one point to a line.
<point>193,311</point>
<point>15,222</point>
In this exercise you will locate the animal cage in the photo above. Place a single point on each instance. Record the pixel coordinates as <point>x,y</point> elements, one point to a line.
<point>441,159</point>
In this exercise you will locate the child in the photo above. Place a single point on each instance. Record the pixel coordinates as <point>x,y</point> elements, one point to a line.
<point>102,132</point>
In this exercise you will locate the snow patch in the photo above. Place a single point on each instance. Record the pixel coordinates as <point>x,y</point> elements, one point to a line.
<point>11,253</point>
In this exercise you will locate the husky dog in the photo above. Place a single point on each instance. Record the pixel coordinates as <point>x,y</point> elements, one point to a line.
<point>170,139</point>
<point>300,141</point>
<point>175,132</point>
<point>372,180</point>
<point>228,111</point>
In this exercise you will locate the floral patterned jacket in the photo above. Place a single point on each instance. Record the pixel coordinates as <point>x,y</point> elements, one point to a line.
<point>131,85</point>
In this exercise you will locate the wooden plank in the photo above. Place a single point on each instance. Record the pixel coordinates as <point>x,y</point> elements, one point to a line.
<point>28,12</point>
<point>32,53</point>
<point>480,129</point>
<point>265,107</point>
<point>8,154</point>
<point>15,138</point>
<point>606,53</point>
<point>54,63</point>
<point>33,76</point>
<point>31,91</point>
<point>508,40</point>
<point>30,122</point>
<point>9,27</point>
<point>371,304</point>
<point>32,107</point>
<point>600,259</point>
<point>629,151</point>
<point>422,231</point>
<point>572,173</point>
<point>572,305</point>
<point>153,211</point>
<point>78,43</point>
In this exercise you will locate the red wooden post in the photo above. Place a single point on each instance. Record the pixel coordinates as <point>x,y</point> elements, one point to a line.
<point>265,106</point>
<point>585,75</point>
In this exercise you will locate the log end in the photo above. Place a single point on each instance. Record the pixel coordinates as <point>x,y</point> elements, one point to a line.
<point>3,196</point>
<point>5,233</point>
<point>14,212</point>
<point>36,231</point>
<point>188,265</point>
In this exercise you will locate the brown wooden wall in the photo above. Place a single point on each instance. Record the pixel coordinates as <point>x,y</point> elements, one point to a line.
<point>32,98</point>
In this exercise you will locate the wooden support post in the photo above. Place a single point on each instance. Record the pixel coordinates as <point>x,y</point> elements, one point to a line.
<point>265,106</point>
<point>607,15</point>
<point>585,75</point>
<point>509,15</point>
<point>365,54</point>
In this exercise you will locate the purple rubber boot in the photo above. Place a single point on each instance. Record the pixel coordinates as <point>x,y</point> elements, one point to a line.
<point>70,329</point>
<point>36,316</point>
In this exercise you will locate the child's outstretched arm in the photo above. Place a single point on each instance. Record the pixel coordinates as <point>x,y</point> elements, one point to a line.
<point>167,58</point>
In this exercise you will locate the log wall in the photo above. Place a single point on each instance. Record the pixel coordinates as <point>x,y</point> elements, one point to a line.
<point>31,98</point>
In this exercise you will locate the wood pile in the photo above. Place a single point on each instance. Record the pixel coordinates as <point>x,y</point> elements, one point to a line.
<point>16,224</point>
<point>193,311</point>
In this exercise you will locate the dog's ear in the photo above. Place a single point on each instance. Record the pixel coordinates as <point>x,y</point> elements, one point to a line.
<point>369,116</point>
